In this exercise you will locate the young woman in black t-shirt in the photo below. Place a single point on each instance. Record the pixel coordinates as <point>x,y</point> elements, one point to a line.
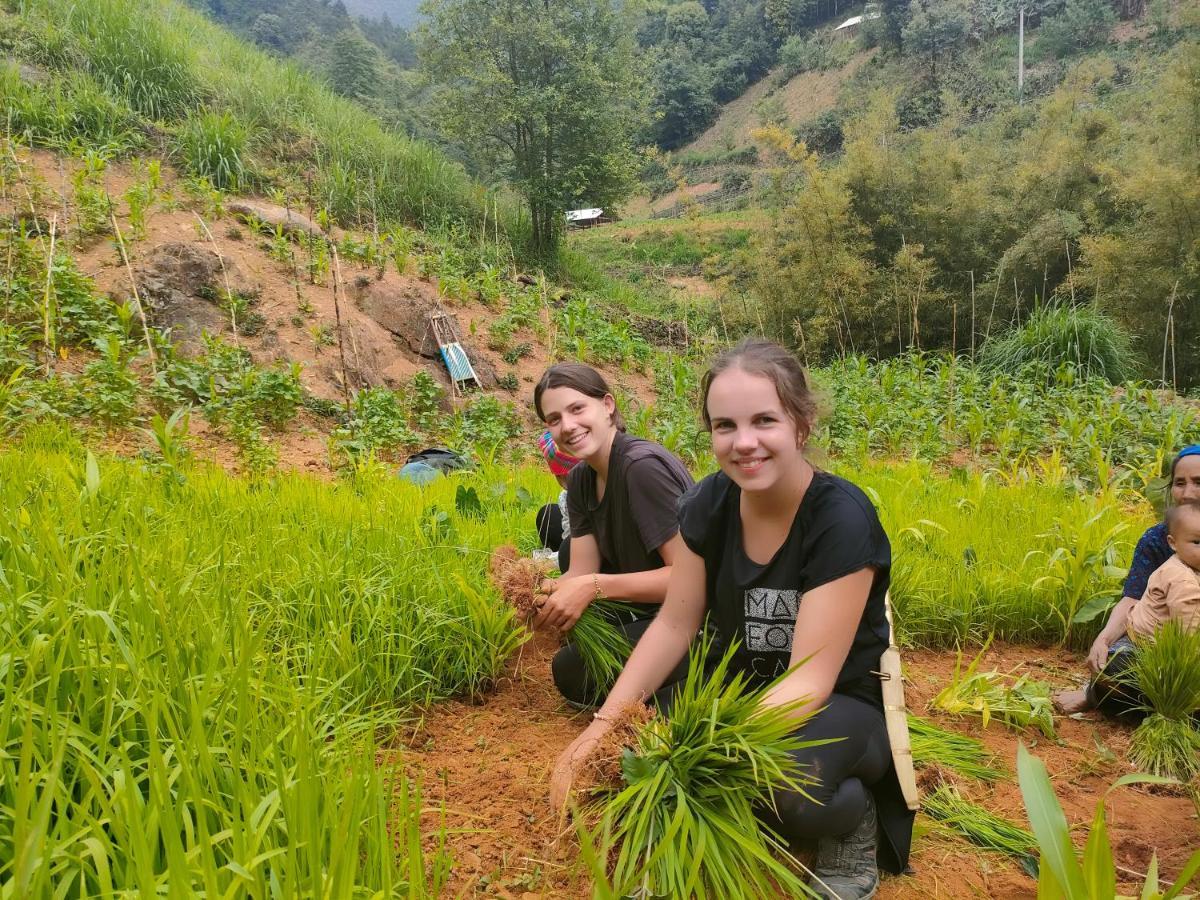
<point>791,563</point>
<point>621,504</point>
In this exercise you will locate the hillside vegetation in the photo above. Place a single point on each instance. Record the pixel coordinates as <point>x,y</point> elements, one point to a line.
<point>226,111</point>
<point>929,209</point>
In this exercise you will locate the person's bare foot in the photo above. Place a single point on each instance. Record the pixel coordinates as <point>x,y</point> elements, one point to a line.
<point>1068,702</point>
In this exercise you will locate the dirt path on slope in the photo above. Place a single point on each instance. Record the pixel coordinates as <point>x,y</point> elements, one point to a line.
<point>485,768</point>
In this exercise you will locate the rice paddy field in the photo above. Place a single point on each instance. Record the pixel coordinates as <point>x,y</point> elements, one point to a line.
<point>249,688</point>
<point>240,658</point>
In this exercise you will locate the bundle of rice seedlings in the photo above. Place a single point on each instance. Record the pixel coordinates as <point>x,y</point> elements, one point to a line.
<point>1020,704</point>
<point>1167,672</point>
<point>684,825</point>
<point>947,805</point>
<point>936,747</point>
<point>602,646</point>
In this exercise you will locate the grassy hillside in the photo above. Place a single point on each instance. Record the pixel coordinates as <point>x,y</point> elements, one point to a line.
<point>117,75</point>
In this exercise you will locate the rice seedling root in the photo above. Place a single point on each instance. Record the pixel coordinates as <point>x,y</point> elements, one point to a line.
<point>517,578</point>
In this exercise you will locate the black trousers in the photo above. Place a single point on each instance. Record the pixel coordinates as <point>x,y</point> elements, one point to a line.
<point>549,529</point>
<point>1110,691</point>
<point>572,681</point>
<point>859,756</point>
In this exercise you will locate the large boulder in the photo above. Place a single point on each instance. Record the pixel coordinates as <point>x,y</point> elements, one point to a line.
<point>270,216</point>
<point>404,311</point>
<point>181,284</point>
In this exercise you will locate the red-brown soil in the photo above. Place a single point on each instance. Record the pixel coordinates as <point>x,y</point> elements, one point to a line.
<point>295,311</point>
<point>485,767</point>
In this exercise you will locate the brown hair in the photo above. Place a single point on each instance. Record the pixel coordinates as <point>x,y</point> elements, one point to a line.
<point>758,356</point>
<point>577,377</point>
<point>1176,514</point>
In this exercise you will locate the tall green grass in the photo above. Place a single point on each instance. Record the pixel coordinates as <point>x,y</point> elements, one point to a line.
<point>195,674</point>
<point>1082,337</point>
<point>976,556</point>
<point>162,62</point>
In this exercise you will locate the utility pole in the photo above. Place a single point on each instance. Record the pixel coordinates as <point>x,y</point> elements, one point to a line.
<point>1021,56</point>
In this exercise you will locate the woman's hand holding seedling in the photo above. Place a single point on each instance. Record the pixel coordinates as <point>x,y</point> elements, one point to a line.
<point>573,759</point>
<point>569,597</point>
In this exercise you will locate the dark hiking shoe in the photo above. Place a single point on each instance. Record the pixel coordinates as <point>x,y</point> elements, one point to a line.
<point>845,868</point>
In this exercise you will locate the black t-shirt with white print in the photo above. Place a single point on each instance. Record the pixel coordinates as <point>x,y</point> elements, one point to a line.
<point>836,532</point>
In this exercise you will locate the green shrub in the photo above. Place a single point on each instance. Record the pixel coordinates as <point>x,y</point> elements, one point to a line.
<point>109,392</point>
<point>1059,335</point>
<point>213,146</point>
<point>1081,24</point>
<point>379,422</point>
<point>813,52</point>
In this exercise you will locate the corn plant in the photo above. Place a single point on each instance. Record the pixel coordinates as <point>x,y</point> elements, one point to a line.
<point>685,824</point>
<point>1063,874</point>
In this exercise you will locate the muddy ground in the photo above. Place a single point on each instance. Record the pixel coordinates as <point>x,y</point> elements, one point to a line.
<point>484,767</point>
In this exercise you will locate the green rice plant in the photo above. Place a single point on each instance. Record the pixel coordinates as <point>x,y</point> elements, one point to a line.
<point>603,647</point>
<point>1165,746</point>
<point>213,146</point>
<point>1062,873</point>
<point>684,825</point>
<point>1080,337</point>
<point>197,675</point>
<point>958,576</point>
<point>1019,704</point>
<point>933,746</point>
<point>946,804</point>
<point>1166,671</point>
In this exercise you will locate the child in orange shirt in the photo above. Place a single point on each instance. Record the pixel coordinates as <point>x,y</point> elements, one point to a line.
<point>1173,592</point>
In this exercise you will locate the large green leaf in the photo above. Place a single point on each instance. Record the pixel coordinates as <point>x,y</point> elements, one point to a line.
<point>1099,871</point>
<point>1049,824</point>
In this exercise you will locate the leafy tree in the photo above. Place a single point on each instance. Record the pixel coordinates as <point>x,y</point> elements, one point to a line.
<point>1082,24</point>
<point>354,67</point>
<point>813,273</point>
<point>935,27</point>
<point>683,101</point>
<point>545,94</point>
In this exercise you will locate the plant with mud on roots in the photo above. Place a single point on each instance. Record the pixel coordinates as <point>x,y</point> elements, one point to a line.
<point>684,824</point>
<point>603,647</point>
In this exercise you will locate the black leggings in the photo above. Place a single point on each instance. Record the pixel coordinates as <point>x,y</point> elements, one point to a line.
<point>549,529</point>
<point>844,770</point>
<point>1110,691</point>
<point>577,688</point>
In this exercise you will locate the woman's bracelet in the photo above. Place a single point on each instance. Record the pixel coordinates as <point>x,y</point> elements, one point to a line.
<point>600,717</point>
<point>596,585</point>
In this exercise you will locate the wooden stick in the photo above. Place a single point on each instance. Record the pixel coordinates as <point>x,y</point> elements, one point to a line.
<point>337,313</point>
<point>224,277</point>
<point>47,332</point>
<point>136,296</point>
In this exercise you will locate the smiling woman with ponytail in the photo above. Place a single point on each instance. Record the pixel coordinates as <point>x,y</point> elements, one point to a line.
<point>621,504</point>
